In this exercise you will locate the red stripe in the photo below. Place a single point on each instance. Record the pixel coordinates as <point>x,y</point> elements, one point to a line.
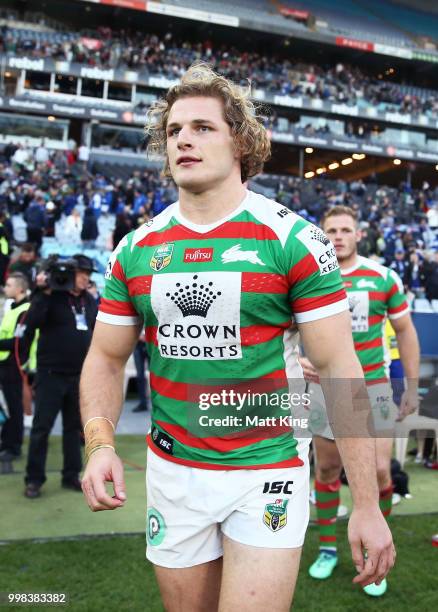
<point>261,282</point>
<point>373,366</point>
<point>387,512</point>
<point>375,319</point>
<point>256,334</point>
<point>363,346</point>
<point>231,229</point>
<point>326,521</point>
<point>398,308</point>
<point>168,388</point>
<point>118,272</point>
<point>151,334</point>
<point>378,296</point>
<point>223,444</point>
<point>330,487</point>
<point>327,538</point>
<point>392,291</point>
<point>305,304</point>
<point>328,504</point>
<point>386,492</point>
<point>361,272</point>
<point>376,381</point>
<point>190,392</point>
<point>140,285</point>
<point>303,269</point>
<point>294,462</point>
<point>117,308</point>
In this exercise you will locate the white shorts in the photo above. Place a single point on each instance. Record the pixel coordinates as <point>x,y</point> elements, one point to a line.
<point>384,411</point>
<point>190,509</point>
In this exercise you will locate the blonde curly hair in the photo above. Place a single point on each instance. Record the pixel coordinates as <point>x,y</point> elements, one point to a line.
<point>250,136</point>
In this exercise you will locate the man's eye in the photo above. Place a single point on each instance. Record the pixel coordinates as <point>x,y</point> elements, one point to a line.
<point>204,128</point>
<point>173,132</point>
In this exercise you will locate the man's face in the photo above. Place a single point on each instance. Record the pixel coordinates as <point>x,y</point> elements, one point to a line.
<point>27,256</point>
<point>82,280</point>
<point>11,289</point>
<point>343,232</point>
<point>200,145</point>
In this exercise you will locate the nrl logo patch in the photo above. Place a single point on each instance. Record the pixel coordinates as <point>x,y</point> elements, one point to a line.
<point>162,256</point>
<point>275,515</point>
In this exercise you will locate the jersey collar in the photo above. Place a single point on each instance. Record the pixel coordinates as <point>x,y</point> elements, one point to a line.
<point>204,229</point>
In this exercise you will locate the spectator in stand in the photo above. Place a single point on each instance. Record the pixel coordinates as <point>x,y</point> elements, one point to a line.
<point>415,273</point>
<point>123,226</point>
<point>84,156</point>
<point>4,247</point>
<point>26,263</point>
<point>36,221</point>
<point>42,153</point>
<point>400,265</point>
<point>73,227</point>
<point>430,270</point>
<point>90,231</point>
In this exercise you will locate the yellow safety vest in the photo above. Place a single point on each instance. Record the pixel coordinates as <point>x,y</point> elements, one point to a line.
<point>8,325</point>
<point>391,341</point>
<point>4,244</point>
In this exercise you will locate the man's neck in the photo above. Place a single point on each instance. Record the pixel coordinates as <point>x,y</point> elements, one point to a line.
<point>349,262</point>
<point>213,204</point>
<point>19,298</point>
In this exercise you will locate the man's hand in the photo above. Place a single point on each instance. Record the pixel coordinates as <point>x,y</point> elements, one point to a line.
<point>104,466</point>
<point>409,403</point>
<point>309,372</point>
<point>369,532</point>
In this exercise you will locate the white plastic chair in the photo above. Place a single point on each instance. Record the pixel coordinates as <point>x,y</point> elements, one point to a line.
<point>403,429</point>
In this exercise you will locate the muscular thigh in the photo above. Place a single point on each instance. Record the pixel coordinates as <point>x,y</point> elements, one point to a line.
<point>190,589</point>
<point>257,579</point>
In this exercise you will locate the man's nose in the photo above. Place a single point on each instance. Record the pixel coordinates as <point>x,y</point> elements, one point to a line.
<point>184,138</point>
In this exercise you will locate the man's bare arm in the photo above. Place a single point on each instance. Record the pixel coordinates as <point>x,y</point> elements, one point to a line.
<point>101,396</point>
<point>329,346</point>
<point>101,388</point>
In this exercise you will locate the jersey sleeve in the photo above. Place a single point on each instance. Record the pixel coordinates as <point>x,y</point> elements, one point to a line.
<point>396,299</point>
<point>316,289</point>
<point>116,307</point>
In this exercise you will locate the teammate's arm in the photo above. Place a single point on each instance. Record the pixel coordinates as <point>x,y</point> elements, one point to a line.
<point>409,349</point>
<point>329,346</point>
<point>101,394</point>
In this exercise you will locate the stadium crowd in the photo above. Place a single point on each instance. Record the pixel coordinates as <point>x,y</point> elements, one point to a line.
<point>170,57</point>
<point>50,189</point>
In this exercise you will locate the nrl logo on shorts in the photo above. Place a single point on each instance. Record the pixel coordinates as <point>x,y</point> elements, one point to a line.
<point>162,256</point>
<point>275,515</point>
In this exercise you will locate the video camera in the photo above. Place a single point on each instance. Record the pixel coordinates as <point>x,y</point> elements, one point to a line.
<point>61,273</point>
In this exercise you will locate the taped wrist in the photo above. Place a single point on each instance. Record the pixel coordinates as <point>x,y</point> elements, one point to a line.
<point>99,433</point>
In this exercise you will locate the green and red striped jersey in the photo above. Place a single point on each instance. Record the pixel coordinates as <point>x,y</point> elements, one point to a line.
<point>220,304</point>
<point>375,292</point>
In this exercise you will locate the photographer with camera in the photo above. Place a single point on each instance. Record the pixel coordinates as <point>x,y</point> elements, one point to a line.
<point>64,312</point>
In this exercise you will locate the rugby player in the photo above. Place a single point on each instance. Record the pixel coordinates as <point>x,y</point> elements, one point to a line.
<point>375,292</point>
<point>215,280</point>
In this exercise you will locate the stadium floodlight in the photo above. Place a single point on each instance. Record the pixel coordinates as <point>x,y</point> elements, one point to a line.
<point>309,174</point>
<point>396,162</point>
<point>346,161</point>
<point>333,166</point>
<point>322,170</point>
<point>359,156</point>
<point>436,167</point>
<point>308,150</point>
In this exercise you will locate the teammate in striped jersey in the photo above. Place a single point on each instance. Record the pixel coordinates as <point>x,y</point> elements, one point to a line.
<point>374,293</point>
<point>216,279</point>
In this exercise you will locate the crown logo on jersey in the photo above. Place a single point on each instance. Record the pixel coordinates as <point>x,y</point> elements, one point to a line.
<point>194,299</point>
<point>319,235</point>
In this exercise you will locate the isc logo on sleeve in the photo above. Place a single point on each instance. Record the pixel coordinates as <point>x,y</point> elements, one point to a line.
<point>320,247</point>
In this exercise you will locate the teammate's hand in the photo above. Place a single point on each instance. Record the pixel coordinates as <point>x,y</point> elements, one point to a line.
<point>310,374</point>
<point>368,532</point>
<point>409,403</point>
<point>104,466</point>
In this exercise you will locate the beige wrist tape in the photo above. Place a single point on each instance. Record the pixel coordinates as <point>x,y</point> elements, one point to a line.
<point>98,432</point>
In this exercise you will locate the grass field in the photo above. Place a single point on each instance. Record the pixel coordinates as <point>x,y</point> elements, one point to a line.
<point>108,572</point>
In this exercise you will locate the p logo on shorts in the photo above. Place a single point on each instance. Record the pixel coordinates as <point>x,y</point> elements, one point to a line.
<point>275,515</point>
<point>155,527</point>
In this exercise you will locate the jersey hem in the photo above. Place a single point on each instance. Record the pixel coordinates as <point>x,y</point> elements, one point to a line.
<point>292,462</point>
